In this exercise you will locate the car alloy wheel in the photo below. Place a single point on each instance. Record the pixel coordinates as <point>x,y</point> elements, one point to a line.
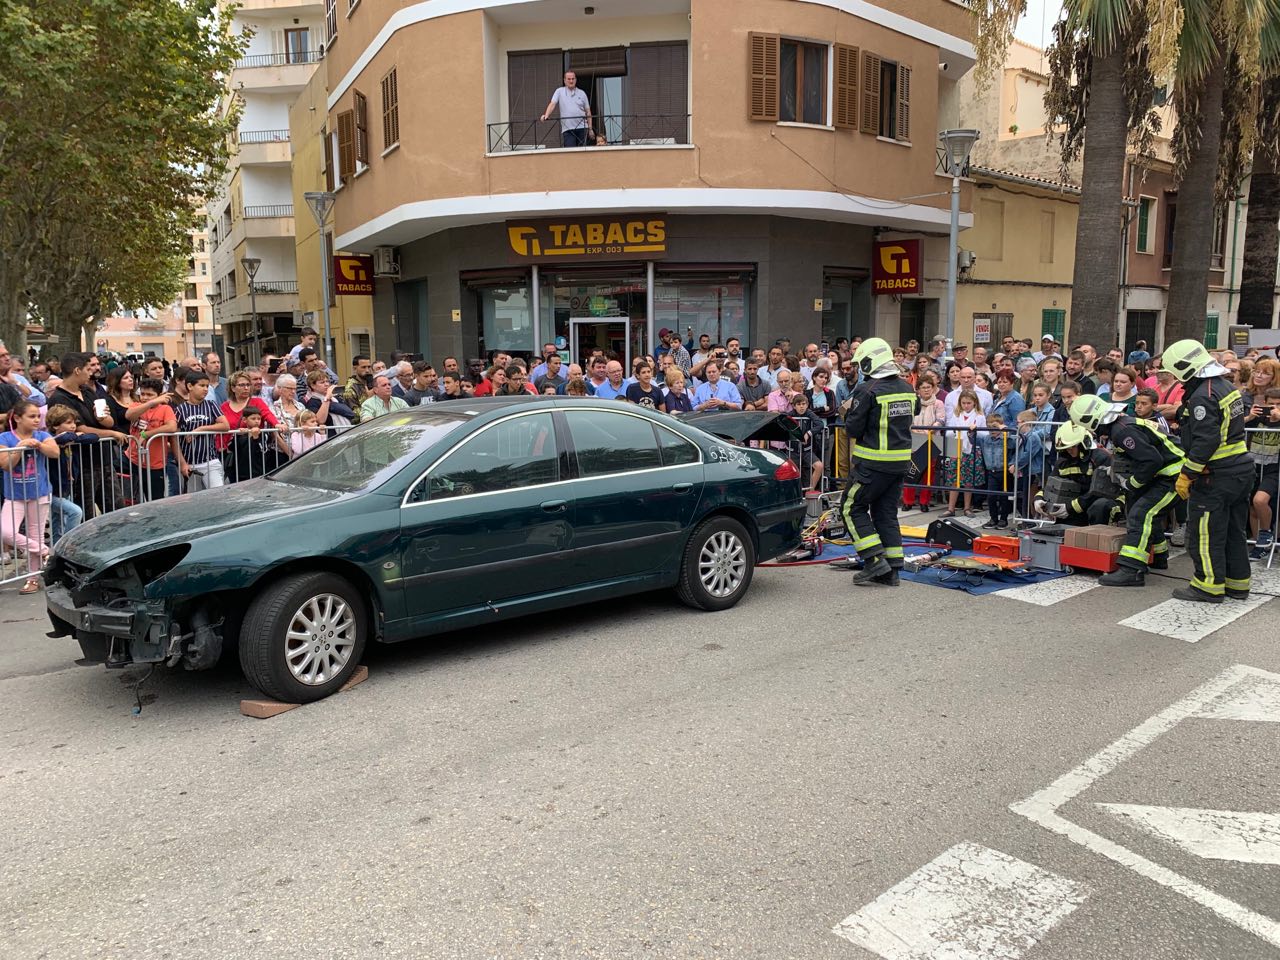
<point>722,564</point>
<point>320,639</point>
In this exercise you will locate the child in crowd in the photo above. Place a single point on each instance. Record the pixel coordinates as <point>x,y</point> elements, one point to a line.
<point>254,452</point>
<point>965,466</point>
<point>1030,464</point>
<point>574,388</point>
<point>153,417</point>
<point>1067,393</point>
<point>308,435</point>
<point>812,428</point>
<point>1144,408</point>
<point>64,513</point>
<point>25,452</point>
<point>198,417</point>
<point>1264,444</point>
<point>999,456</point>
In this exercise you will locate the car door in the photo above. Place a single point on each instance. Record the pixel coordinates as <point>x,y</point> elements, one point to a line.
<point>490,524</point>
<point>638,485</point>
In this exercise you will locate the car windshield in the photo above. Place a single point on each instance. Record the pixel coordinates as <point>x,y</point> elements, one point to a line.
<point>366,456</point>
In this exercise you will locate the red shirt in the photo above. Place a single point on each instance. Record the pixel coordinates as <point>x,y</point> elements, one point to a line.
<point>234,418</point>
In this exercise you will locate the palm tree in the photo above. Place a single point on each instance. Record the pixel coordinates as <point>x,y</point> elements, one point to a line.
<point>1262,229</point>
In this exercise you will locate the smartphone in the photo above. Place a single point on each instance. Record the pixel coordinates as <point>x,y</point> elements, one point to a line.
<point>277,365</point>
<point>825,346</point>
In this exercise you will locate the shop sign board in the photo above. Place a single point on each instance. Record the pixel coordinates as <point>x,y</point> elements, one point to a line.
<point>895,267</point>
<point>981,329</point>
<point>353,275</point>
<point>638,237</point>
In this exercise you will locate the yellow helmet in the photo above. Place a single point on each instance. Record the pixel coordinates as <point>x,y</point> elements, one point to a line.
<point>1073,435</point>
<point>1091,412</point>
<point>872,355</point>
<point>1189,358</point>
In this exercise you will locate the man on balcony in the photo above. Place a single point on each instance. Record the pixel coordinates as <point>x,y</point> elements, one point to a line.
<point>575,112</point>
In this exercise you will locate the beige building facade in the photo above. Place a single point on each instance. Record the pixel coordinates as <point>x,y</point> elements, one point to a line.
<point>743,157</point>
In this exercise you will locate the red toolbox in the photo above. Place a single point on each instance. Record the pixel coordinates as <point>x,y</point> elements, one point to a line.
<point>1006,548</point>
<point>1083,559</point>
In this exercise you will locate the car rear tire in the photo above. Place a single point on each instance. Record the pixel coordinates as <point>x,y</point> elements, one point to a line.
<point>719,561</point>
<point>303,637</point>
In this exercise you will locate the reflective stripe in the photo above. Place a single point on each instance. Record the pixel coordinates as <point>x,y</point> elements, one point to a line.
<point>1172,470</point>
<point>893,553</point>
<point>1238,584</point>
<point>1161,547</point>
<point>881,456</point>
<point>1145,537</point>
<point>1192,468</point>
<point>1206,560</point>
<point>1213,589</point>
<point>1229,450</point>
<point>865,543</point>
<point>1134,553</point>
<point>884,401</point>
<point>849,496</point>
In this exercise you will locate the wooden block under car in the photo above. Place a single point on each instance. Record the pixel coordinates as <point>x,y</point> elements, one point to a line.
<point>265,709</point>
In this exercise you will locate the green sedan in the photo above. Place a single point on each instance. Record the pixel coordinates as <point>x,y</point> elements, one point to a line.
<point>442,517</point>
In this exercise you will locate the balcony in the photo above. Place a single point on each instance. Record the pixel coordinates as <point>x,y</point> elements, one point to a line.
<point>262,222</point>
<point>269,148</point>
<point>273,296</point>
<point>276,72</point>
<point>611,130</point>
<point>285,8</point>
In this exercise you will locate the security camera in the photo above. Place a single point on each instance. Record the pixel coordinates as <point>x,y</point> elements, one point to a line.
<point>944,67</point>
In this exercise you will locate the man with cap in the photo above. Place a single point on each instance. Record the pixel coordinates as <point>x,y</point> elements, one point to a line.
<point>1217,477</point>
<point>881,408</point>
<point>1048,348</point>
<point>1146,463</point>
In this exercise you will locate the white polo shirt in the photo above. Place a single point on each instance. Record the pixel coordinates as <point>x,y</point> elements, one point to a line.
<point>573,106</point>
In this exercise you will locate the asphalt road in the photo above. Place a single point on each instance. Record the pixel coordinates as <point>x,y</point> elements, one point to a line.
<point>643,781</point>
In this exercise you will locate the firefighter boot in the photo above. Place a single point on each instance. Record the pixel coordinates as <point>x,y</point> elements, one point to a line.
<point>874,570</point>
<point>1196,596</point>
<point>1123,576</point>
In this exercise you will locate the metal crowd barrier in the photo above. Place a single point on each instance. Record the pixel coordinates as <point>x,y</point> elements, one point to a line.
<point>93,476</point>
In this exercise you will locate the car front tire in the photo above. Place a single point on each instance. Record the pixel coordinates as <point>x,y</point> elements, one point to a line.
<point>719,561</point>
<point>303,637</point>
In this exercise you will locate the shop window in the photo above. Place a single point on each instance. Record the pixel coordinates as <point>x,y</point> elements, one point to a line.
<point>507,320</point>
<point>715,308</point>
<point>846,307</point>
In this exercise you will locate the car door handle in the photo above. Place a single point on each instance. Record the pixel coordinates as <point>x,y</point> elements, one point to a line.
<point>682,487</point>
<point>555,506</point>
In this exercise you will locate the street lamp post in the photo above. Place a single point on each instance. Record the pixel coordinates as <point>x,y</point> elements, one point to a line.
<point>251,265</point>
<point>321,203</point>
<point>958,144</point>
<point>213,314</point>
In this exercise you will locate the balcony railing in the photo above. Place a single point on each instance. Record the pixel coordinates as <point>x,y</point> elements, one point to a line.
<point>263,136</point>
<point>611,130</point>
<point>268,210</point>
<point>275,286</point>
<point>278,59</point>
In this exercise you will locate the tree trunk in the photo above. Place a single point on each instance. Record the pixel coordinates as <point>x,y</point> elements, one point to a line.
<point>1193,228</point>
<point>13,313</point>
<point>1261,243</point>
<point>1095,295</point>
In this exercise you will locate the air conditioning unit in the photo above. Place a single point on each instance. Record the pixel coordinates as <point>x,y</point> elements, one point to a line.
<point>965,259</point>
<point>385,263</point>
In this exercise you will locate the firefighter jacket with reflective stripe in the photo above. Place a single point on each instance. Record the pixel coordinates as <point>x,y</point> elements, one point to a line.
<point>1143,453</point>
<point>1212,428</point>
<point>1080,469</point>
<point>879,424</point>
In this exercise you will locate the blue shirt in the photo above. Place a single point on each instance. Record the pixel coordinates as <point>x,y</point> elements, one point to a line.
<point>607,391</point>
<point>722,390</point>
<point>28,479</point>
<point>36,395</point>
<point>1009,407</point>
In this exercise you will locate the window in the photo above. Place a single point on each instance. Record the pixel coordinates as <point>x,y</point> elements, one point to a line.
<point>1170,217</point>
<point>204,269</point>
<point>360,107</point>
<point>190,292</point>
<point>717,306</point>
<point>802,82</point>
<point>1053,323</point>
<point>1046,236</point>
<point>612,443</point>
<point>390,110</point>
<point>676,450</point>
<point>1146,225</point>
<point>515,453</point>
<point>886,97</point>
<point>331,21</point>
<point>346,145</point>
<point>1211,331</point>
<point>506,316</point>
<point>296,43</point>
<point>326,157</point>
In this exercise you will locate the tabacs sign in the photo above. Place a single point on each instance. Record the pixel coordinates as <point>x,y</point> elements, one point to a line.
<point>353,275</point>
<point>895,266</point>
<point>620,238</point>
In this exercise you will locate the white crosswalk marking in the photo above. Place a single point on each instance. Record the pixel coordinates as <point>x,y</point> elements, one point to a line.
<point>971,903</point>
<point>1209,834</point>
<point>1254,698</point>
<point>1190,621</point>
<point>1049,592</point>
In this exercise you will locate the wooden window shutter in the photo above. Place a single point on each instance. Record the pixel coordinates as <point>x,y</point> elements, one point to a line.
<point>346,145</point>
<point>531,76</point>
<point>870,93</point>
<point>904,102</point>
<point>845,113</point>
<point>390,110</point>
<point>766,50</point>
<point>360,103</point>
<point>326,145</point>
<point>599,61</point>
<point>656,96</point>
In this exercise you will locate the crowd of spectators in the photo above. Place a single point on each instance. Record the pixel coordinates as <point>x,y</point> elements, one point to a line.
<point>986,419</point>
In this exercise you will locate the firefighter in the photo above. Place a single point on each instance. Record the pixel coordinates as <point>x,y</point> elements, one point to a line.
<point>1217,477</point>
<point>878,425</point>
<point>1081,460</point>
<point>1147,462</point>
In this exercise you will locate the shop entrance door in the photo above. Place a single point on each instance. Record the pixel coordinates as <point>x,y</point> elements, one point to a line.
<point>622,335</point>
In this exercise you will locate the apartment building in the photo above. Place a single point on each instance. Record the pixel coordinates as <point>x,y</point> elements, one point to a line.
<point>195,306</point>
<point>744,156</point>
<point>252,216</point>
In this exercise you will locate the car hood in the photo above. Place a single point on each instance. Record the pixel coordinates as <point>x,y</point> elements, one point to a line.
<point>130,531</point>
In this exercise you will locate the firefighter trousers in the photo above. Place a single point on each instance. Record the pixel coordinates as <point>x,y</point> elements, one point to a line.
<point>1145,522</point>
<point>1217,531</point>
<point>870,513</point>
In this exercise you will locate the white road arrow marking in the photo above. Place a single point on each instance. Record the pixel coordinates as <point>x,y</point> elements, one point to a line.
<point>1210,834</point>
<point>971,903</point>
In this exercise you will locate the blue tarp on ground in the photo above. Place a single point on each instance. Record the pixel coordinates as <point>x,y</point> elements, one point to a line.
<point>971,581</point>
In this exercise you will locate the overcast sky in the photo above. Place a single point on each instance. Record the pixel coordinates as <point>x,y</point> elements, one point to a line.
<point>1036,26</point>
